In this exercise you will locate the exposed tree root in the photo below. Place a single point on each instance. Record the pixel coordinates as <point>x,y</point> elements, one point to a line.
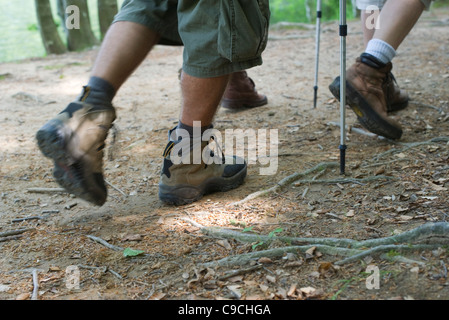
<point>409,145</point>
<point>324,165</point>
<point>288,180</point>
<point>427,236</point>
<point>295,179</point>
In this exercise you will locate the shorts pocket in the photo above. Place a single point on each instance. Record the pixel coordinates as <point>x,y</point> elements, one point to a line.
<point>242,29</point>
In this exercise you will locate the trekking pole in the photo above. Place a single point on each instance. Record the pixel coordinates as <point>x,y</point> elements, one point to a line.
<point>317,53</point>
<point>343,31</point>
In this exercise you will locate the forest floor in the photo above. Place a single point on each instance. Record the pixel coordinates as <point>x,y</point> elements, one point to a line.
<point>389,187</point>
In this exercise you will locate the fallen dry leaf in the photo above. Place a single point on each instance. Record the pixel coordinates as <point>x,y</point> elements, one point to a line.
<point>292,291</point>
<point>255,297</point>
<point>157,296</point>
<point>271,279</point>
<point>132,237</point>
<point>263,287</point>
<point>310,252</point>
<point>265,260</point>
<point>236,279</point>
<point>350,213</point>
<point>225,244</point>
<point>235,291</point>
<point>23,296</point>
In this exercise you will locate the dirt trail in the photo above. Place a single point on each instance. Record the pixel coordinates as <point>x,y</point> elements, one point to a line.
<point>413,192</point>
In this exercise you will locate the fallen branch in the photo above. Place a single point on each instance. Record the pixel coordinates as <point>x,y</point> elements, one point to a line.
<point>427,236</point>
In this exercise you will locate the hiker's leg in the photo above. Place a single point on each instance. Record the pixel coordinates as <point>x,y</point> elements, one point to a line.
<point>125,46</point>
<point>209,89</point>
<point>397,18</point>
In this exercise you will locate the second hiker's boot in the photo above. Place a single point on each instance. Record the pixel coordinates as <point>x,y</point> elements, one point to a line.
<point>365,81</point>
<point>241,93</point>
<point>397,99</point>
<point>186,180</point>
<point>74,140</point>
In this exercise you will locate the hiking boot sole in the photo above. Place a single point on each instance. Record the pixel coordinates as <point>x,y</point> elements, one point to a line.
<point>69,174</point>
<point>369,118</point>
<point>185,194</point>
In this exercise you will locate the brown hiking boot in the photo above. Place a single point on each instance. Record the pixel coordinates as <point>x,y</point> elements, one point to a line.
<point>185,179</point>
<point>241,93</point>
<point>397,99</point>
<point>74,140</point>
<point>365,81</point>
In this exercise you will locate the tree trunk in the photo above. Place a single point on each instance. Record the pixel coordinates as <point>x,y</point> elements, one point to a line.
<point>77,22</point>
<point>308,11</point>
<point>107,9</point>
<point>47,27</point>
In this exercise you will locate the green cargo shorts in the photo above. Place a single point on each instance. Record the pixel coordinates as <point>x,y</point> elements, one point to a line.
<point>219,36</point>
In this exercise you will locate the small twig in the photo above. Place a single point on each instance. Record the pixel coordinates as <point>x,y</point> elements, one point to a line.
<point>117,248</point>
<point>333,215</point>
<point>356,130</point>
<point>46,190</point>
<point>344,180</point>
<point>385,163</point>
<point>105,243</point>
<point>35,294</point>
<point>14,232</point>
<point>420,104</point>
<point>4,239</point>
<point>102,269</point>
<point>115,188</point>
<point>116,274</point>
<point>234,273</point>
<point>28,218</point>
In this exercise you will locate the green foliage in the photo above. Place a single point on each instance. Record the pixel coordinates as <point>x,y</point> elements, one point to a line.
<point>440,3</point>
<point>237,223</point>
<point>271,235</point>
<point>128,252</point>
<point>32,27</point>
<point>296,10</point>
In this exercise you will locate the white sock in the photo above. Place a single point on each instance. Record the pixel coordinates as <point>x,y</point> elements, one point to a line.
<point>381,50</point>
